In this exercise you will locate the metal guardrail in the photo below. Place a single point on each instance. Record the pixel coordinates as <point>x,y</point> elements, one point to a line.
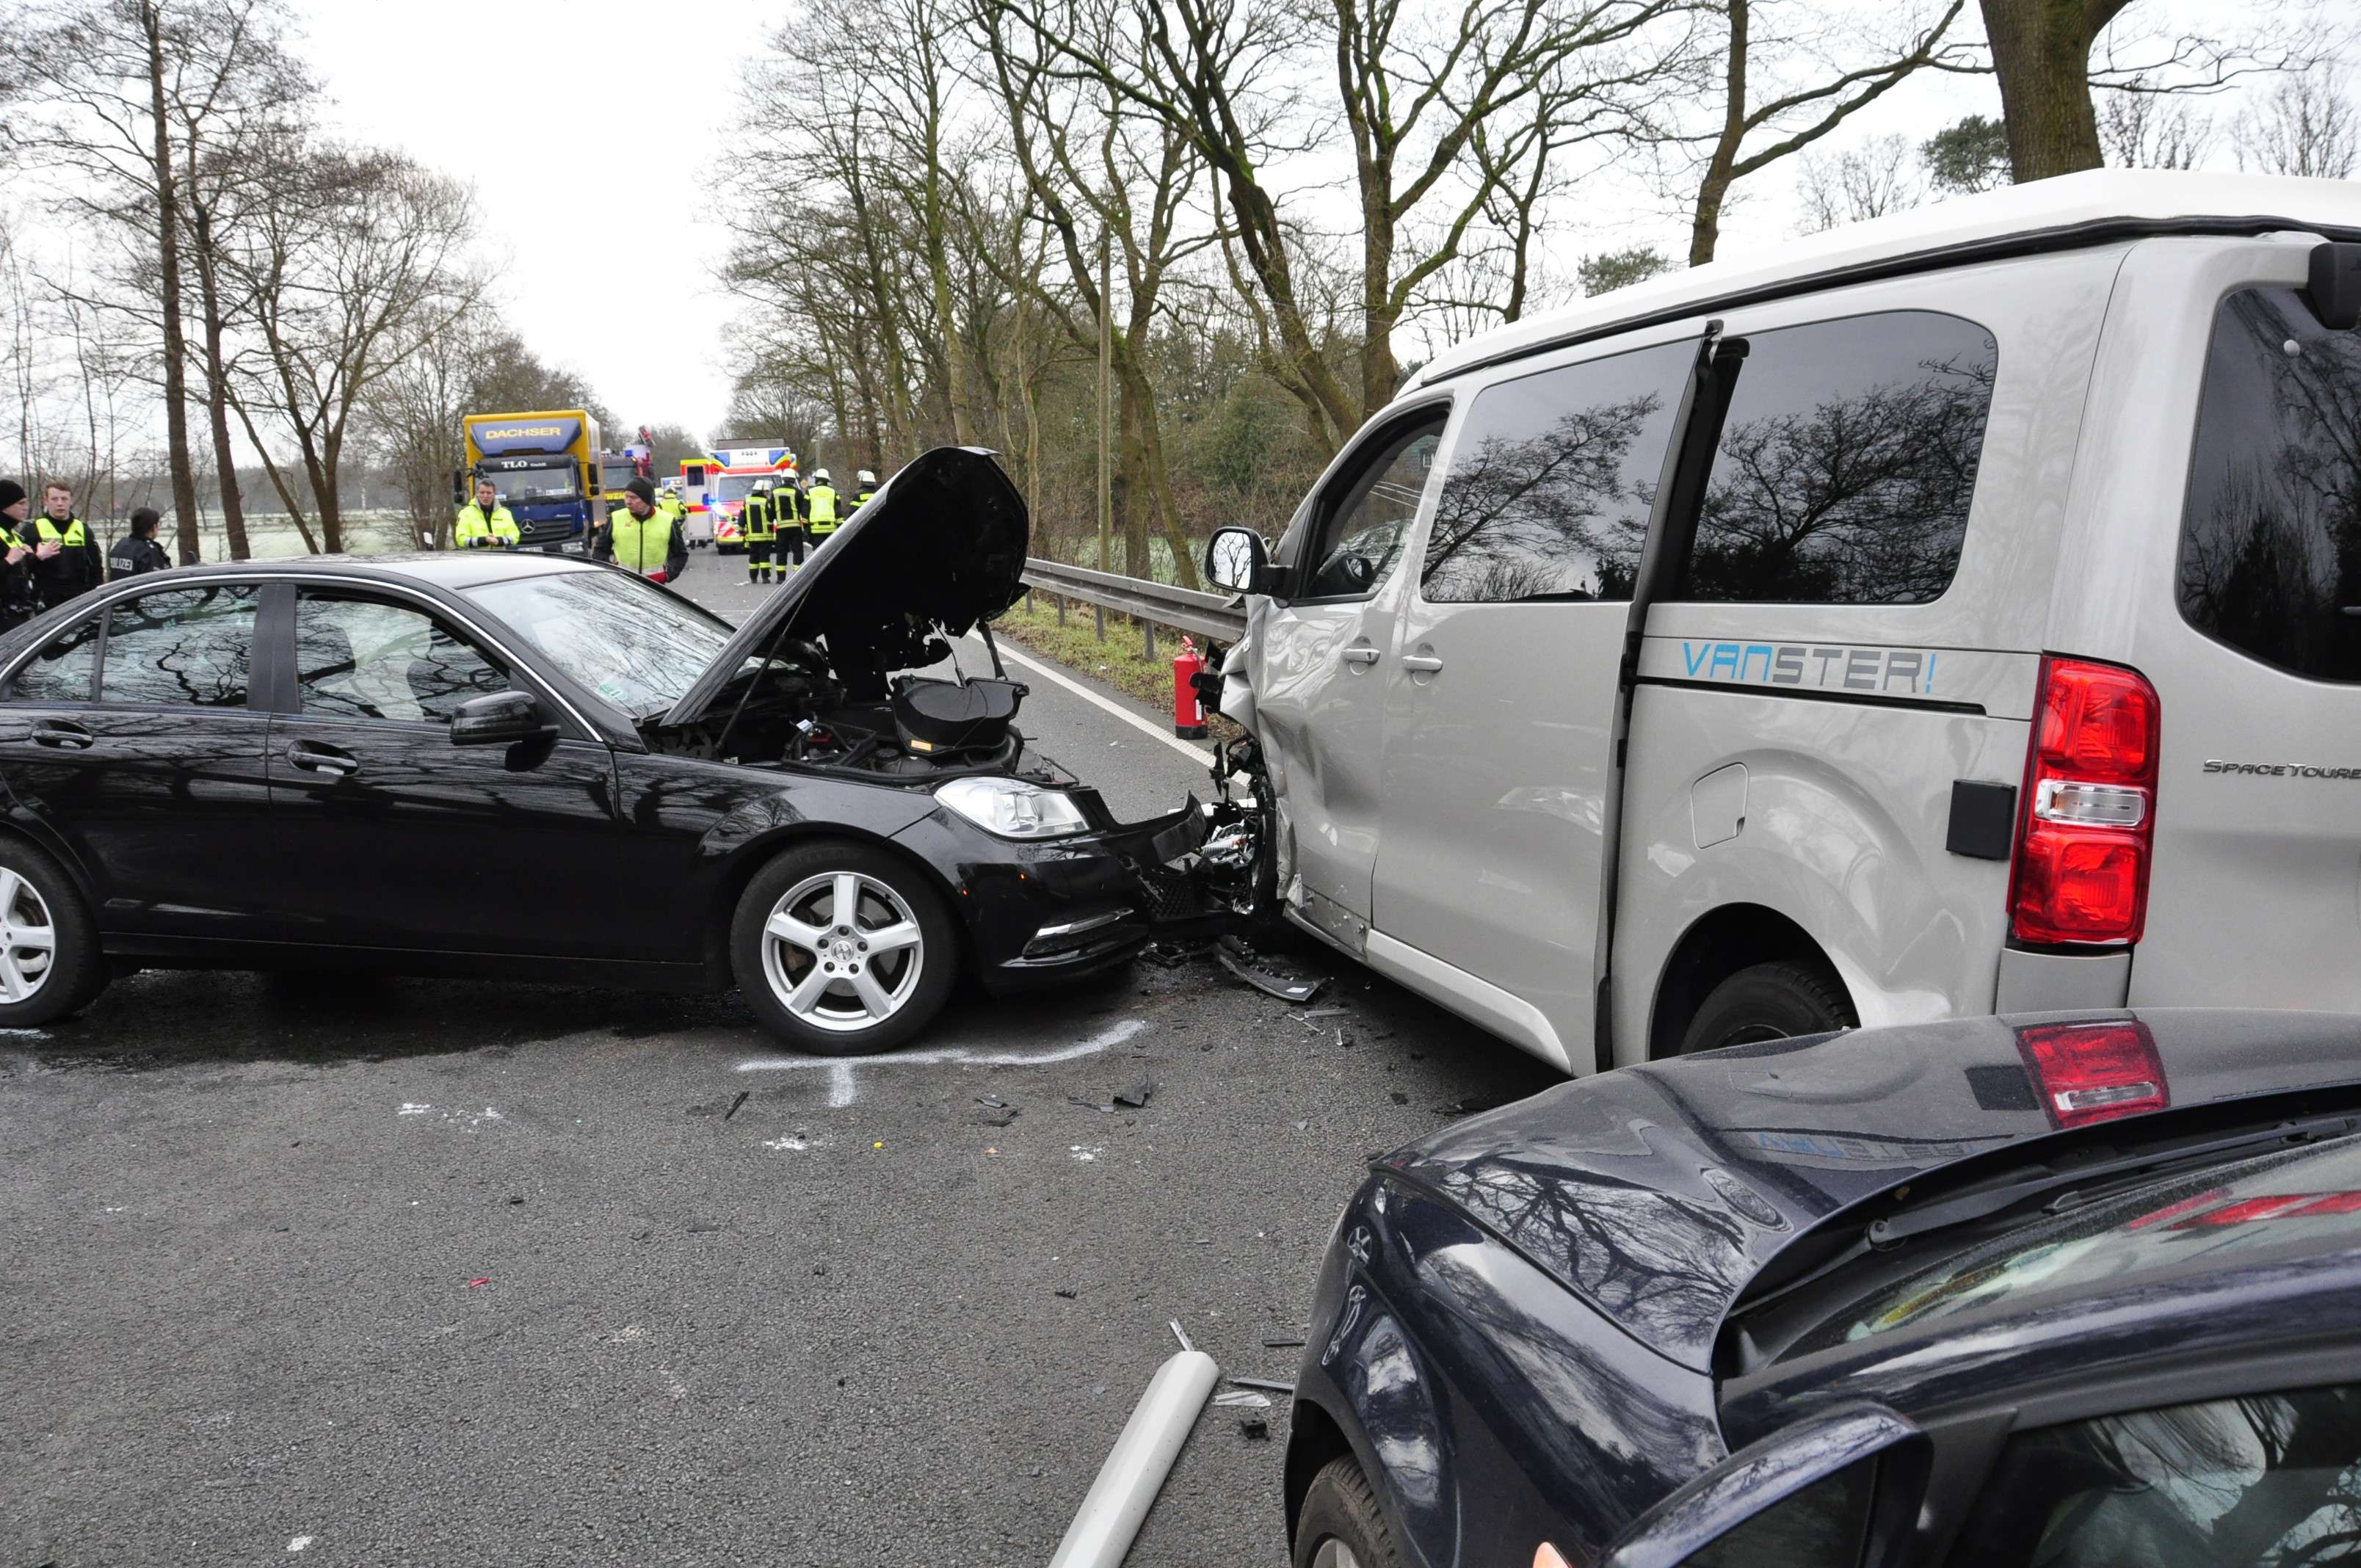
<point>1207,615</point>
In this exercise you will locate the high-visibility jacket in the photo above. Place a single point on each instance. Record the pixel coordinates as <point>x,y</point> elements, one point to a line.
<point>756,522</point>
<point>789,503</point>
<point>74,537</point>
<point>820,500</point>
<point>474,531</point>
<point>641,544</point>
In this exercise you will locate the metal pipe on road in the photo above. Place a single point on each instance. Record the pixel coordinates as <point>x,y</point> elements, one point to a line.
<point>1101,1533</point>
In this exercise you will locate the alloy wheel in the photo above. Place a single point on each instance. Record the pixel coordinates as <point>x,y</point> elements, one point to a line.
<point>842,951</point>
<point>28,939</point>
<point>1334,1553</point>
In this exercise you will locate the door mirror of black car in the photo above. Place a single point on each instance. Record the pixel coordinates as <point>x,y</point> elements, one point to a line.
<point>503,719</point>
<point>1237,561</point>
<point>1843,1489</point>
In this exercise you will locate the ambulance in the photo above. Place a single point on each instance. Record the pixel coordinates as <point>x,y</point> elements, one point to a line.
<point>717,488</point>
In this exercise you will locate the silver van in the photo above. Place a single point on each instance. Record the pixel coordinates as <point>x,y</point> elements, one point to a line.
<point>1956,613</point>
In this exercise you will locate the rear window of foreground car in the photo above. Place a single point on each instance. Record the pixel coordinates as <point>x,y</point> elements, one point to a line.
<point>2193,1219</point>
<point>2270,544</point>
<point>633,645</point>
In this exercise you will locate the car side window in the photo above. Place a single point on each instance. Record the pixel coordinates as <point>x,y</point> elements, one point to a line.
<point>2270,545</point>
<point>1825,1524</point>
<point>367,658</point>
<point>63,671</point>
<point>2262,1481</point>
<point>1551,482</point>
<point>1847,463</point>
<point>181,646</point>
<point>1363,529</point>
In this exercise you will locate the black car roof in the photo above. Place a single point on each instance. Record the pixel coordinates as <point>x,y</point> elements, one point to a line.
<point>1657,1192</point>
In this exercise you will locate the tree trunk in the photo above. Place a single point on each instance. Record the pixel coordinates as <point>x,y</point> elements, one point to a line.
<point>216,382</point>
<point>1704,230</point>
<point>2041,52</point>
<point>168,262</point>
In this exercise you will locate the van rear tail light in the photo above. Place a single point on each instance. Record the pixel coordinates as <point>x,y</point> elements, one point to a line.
<point>2093,1072</point>
<point>2084,845</point>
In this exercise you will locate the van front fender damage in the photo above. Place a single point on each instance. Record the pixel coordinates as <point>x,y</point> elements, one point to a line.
<point>1842,835</point>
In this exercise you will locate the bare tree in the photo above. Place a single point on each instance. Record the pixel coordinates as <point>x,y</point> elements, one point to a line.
<point>1816,88</point>
<point>2307,125</point>
<point>2150,130</point>
<point>1857,184</point>
<point>349,263</point>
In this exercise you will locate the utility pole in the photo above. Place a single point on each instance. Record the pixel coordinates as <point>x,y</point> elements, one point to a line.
<point>1106,411</point>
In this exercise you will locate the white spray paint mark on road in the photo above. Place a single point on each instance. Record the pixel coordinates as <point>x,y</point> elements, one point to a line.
<point>843,1082</point>
<point>299,1542</point>
<point>1085,1154</point>
<point>789,1142</point>
<point>411,1108</point>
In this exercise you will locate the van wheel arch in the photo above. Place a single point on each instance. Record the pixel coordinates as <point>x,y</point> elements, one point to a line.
<point>1732,938</point>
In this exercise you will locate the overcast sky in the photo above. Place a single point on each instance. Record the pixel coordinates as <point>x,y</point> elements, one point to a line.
<point>593,131</point>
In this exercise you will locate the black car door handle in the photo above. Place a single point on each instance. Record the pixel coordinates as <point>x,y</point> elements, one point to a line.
<point>317,758</point>
<point>59,734</point>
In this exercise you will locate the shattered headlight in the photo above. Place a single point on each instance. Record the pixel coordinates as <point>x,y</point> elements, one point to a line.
<point>1012,808</point>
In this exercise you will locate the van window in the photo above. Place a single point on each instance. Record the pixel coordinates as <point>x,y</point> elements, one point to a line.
<point>1364,519</point>
<point>1552,479</point>
<point>1846,464</point>
<point>2270,544</point>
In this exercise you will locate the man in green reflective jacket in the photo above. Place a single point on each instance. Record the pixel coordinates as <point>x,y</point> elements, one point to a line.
<point>484,523</point>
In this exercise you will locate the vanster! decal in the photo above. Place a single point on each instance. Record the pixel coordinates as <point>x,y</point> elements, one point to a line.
<point>1891,671</point>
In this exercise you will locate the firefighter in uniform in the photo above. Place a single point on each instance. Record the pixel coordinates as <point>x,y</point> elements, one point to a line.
<point>867,481</point>
<point>820,507</point>
<point>484,523</point>
<point>641,536</point>
<point>788,499</point>
<point>757,525</point>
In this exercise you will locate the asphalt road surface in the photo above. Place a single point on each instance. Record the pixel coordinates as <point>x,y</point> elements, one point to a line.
<point>436,1273</point>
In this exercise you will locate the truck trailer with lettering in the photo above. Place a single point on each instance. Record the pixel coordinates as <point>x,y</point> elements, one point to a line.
<point>545,465</point>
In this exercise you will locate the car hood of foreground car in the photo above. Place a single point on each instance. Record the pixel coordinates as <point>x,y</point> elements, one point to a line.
<point>1657,1192</point>
<point>941,544</point>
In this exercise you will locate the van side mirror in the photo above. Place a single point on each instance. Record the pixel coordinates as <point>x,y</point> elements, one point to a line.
<point>501,718</point>
<point>1842,1486</point>
<point>458,487</point>
<point>1237,561</point>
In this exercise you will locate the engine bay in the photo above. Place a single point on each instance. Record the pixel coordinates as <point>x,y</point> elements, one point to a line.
<point>799,705</point>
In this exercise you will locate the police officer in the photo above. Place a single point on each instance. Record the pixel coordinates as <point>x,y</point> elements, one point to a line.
<point>484,523</point>
<point>867,481</point>
<point>17,602</point>
<point>66,559</point>
<point>137,551</point>
<point>756,527</point>
<point>820,507</point>
<point>643,537</point>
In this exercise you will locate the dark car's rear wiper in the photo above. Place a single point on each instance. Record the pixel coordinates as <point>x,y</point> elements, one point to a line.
<point>2012,1190</point>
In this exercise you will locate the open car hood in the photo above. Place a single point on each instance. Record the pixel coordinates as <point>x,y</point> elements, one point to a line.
<point>942,542</point>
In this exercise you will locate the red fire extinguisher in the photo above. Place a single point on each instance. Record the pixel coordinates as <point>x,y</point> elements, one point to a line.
<point>1188,708</point>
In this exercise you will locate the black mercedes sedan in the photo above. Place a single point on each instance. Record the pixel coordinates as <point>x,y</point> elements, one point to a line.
<point>2081,1292</point>
<point>542,768</point>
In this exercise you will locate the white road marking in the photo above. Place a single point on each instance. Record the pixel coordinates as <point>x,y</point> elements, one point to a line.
<point>1084,1154</point>
<point>1193,752</point>
<point>843,1083</point>
<point>411,1108</point>
<point>299,1542</point>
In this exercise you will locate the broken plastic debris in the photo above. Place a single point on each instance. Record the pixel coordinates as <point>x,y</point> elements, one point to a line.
<point>1303,1127</point>
<point>1399,1097</point>
<point>1270,1383</point>
<point>1104,1108</point>
<point>735,1104</point>
<point>1280,1345</point>
<point>1330,1013</point>
<point>1239,1399</point>
<point>472,1284</point>
<point>1468,1106</point>
<point>994,1101</point>
<point>1136,1098</point>
<point>1068,1291</point>
<point>1254,1429</point>
<point>1287,988</point>
<point>1178,1334</point>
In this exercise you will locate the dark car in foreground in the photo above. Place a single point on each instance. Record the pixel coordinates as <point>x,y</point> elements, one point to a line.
<point>2081,1292</point>
<point>541,768</point>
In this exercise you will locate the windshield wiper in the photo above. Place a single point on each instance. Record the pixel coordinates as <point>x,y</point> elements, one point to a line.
<point>2013,1188</point>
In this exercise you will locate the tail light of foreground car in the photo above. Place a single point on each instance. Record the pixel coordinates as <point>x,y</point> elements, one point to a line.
<point>2092,1072</point>
<point>2089,823</point>
<point>1548,1556</point>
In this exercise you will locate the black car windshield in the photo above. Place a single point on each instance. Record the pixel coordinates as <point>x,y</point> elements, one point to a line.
<point>629,641</point>
<point>2197,1219</point>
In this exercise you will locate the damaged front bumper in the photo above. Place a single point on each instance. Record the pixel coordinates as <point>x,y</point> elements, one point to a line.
<point>1039,913</point>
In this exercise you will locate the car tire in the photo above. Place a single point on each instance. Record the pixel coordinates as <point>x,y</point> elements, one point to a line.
<point>865,998</point>
<point>36,896</point>
<point>1340,1525</point>
<point>1768,1002</point>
